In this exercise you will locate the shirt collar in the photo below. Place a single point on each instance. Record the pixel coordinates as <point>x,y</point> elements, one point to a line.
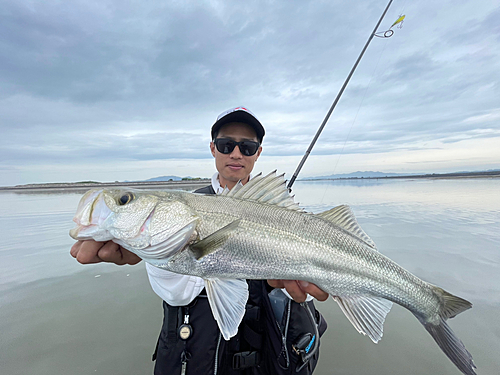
<point>216,183</point>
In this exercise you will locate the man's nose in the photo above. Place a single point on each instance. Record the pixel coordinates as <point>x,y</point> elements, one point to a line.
<point>236,153</point>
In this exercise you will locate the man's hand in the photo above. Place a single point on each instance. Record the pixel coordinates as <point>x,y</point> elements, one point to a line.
<point>87,252</point>
<point>299,289</point>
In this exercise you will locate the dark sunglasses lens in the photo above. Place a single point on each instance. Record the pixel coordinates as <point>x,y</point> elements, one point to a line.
<point>248,148</point>
<point>226,146</point>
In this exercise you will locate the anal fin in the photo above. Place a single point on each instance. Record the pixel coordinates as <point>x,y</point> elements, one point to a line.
<point>367,314</point>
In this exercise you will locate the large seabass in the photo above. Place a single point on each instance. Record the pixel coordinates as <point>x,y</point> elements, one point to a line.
<point>256,231</point>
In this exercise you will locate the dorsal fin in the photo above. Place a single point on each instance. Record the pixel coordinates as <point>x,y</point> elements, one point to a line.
<point>270,189</point>
<point>344,218</point>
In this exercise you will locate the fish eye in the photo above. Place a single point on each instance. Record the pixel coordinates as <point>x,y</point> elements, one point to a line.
<point>125,198</point>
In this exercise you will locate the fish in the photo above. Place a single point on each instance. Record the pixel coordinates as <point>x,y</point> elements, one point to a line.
<point>258,231</point>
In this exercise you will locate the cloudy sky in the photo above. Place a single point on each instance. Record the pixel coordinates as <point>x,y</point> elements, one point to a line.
<point>127,90</point>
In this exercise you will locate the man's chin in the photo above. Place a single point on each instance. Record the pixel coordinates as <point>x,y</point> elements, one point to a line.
<point>236,176</point>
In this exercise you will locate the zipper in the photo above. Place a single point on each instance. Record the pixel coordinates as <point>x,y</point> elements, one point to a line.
<point>217,354</point>
<point>284,335</point>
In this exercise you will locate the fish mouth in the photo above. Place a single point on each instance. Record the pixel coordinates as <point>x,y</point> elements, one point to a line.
<point>74,233</point>
<point>85,210</point>
<point>89,232</point>
<point>89,217</point>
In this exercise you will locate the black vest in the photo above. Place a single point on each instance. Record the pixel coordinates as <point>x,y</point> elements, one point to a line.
<point>261,346</point>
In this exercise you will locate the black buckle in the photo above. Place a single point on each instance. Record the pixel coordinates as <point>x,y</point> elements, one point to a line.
<point>245,359</point>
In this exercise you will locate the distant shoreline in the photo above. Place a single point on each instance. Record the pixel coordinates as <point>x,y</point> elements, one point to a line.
<point>206,181</point>
<point>457,175</point>
<point>93,185</point>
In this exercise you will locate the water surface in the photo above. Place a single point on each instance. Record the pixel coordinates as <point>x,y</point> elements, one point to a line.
<point>60,317</point>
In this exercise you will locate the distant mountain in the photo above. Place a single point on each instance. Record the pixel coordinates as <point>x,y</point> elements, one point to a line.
<point>359,174</point>
<point>371,174</point>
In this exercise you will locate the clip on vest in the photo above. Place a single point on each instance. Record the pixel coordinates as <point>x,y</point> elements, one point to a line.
<point>303,347</point>
<point>185,330</point>
<point>185,357</point>
<point>246,359</point>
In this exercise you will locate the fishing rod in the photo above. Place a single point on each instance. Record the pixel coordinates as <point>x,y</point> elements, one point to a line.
<point>304,158</point>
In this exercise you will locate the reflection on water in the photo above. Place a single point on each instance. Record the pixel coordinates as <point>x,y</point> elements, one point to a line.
<point>104,319</point>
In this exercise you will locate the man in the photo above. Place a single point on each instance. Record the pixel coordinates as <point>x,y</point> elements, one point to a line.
<point>190,341</point>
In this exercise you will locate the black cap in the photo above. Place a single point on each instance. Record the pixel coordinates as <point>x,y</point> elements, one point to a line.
<point>239,114</point>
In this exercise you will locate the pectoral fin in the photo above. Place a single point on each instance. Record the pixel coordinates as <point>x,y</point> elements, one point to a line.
<point>227,298</point>
<point>367,314</point>
<point>214,241</point>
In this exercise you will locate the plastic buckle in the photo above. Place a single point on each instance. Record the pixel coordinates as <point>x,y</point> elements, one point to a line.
<point>245,359</point>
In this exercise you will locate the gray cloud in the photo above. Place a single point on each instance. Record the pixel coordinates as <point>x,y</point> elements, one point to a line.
<point>89,81</point>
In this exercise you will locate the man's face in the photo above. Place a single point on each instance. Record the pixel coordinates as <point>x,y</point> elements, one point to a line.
<point>235,166</point>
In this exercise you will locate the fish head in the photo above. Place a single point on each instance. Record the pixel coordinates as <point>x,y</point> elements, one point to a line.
<point>152,225</point>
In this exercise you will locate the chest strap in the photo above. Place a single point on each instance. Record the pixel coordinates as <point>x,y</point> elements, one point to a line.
<point>246,359</point>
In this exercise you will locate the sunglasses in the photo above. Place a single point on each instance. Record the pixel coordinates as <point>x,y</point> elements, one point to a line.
<point>227,145</point>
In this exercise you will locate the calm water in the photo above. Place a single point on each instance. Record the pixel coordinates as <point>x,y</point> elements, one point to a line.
<point>59,317</point>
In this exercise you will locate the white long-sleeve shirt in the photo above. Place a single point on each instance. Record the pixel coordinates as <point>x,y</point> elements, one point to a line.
<point>180,290</point>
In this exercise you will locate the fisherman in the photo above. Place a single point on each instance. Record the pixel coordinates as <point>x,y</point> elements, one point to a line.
<point>276,332</point>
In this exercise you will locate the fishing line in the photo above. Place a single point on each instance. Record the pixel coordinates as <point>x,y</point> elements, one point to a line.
<point>357,113</point>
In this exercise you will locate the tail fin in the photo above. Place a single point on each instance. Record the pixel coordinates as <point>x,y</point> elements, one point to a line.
<point>452,305</point>
<point>451,345</point>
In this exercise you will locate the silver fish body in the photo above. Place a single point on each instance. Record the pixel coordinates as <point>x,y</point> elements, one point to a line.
<point>277,243</point>
<point>258,232</point>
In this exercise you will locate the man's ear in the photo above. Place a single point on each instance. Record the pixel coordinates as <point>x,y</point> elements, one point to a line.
<point>212,149</point>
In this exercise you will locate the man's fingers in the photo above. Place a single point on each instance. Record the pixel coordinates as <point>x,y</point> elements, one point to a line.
<point>114,253</point>
<point>110,253</point>
<point>295,291</point>
<point>298,289</point>
<point>313,290</point>
<point>276,283</point>
<point>85,252</point>
<point>130,257</point>
<point>291,287</point>
<point>88,252</point>
<point>75,248</point>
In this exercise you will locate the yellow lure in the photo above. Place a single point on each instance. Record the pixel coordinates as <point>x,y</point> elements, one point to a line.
<point>399,20</point>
